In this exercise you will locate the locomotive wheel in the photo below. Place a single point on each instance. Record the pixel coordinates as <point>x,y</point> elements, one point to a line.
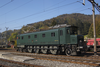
<point>68,51</point>
<point>44,50</point>
<point>17,49</point>
<point>52,50</point>
<point>24,50</point>
<point>20,49</point>
<point>30,50</point>
<point>36,49</point>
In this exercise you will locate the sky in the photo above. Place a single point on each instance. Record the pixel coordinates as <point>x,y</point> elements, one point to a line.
<point>16,13</point>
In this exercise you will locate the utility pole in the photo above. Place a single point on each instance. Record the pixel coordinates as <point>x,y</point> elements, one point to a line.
<point>83,2</point>
<point>6,35</point>
<point>94,4</point>
<point>93,9</point>
<point>95,51</point>
<point>0,37</point>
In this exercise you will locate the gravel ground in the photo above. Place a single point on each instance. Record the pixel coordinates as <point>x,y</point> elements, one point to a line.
<point>48,63</point>
<point>11,64</point>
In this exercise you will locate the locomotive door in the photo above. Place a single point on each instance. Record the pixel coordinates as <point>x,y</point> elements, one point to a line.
<point>62,35</point>
<point>67,35</point>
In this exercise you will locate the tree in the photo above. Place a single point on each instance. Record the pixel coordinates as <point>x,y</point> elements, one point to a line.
<point>98,26</point>
<point>90,34</point>
<point>53,23</point>
<point>13,37</point>
<point>44,27</point>
<point>86,27</point>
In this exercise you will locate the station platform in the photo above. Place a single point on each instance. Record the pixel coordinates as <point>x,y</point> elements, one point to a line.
<point>9,56</point>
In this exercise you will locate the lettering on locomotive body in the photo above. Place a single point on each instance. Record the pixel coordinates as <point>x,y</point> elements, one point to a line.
<point>32,41</point>
<point>56,40</point>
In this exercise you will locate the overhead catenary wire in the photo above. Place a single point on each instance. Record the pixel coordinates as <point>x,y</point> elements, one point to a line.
<point>40,12</point>
<point>73,9</point>
<point>56,4</point>
<point>84,9</point>
<point>95,5</point>
<point>17,7</point>
<point>6,3</point>
<point>27,3</point>
<point>31,22</point>
<point>43,12</point>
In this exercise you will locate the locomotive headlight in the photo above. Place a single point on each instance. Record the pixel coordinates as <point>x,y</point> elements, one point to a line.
<point>81,47</point>
<point>80,40</point>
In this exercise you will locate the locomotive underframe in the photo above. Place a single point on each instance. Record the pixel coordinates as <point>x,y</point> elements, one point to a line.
<point>57,49</point>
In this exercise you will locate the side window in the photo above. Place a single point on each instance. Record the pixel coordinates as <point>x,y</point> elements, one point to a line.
<point>67,31</point>
<point>61,32</point>
<point>18,37</point>
<point>35,36</point>
<point>53,34</point>
<point>29,37</point>
<point>43,35</point>
<point>22,37</point>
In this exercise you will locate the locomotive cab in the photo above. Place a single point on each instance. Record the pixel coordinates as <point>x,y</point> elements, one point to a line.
<point>76,43</point>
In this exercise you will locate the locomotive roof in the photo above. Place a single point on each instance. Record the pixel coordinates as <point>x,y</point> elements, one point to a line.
<point>53,28</point>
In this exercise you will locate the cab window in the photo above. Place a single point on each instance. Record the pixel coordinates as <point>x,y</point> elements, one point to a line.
<point>22,37</point>
<point>67,31</point>
<point>73,30</point>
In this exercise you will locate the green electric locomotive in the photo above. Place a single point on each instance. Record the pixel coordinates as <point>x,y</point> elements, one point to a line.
<point>55,41</point>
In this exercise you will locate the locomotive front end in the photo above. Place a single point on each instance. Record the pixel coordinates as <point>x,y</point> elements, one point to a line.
<point>76,44</point>
<point>81,46</point>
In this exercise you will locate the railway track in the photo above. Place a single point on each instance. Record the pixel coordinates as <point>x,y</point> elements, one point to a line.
<point>9,63</point>
<point>86,59</point>
<point>3,65</point>
<point>92,61</point>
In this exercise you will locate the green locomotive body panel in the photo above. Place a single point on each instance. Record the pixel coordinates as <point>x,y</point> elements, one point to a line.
<point>73,39</point>
<point>64,35</point>
<point>47,37</point>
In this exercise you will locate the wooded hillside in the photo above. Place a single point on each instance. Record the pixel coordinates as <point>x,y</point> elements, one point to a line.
<point>84,23</point>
